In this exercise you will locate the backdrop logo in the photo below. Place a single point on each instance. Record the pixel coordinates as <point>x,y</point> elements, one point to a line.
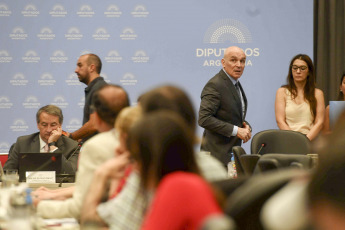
<point>128,79</point>
<point>31,102</point>
<point>46,79</point>
<point>73,33</point>
<point>73,124</point>
<point>46,34</point>
<point>85,11</point>
<point>19,125</point>
<point>113,56</point>
<point>101,34</point>
<point>84,52</point>
<point>30,11</point>
<point>18,33</point>
<point>58,11</point>
<point>128,34</point>
<point>4,147</point>
<point>140,57</point>
<point>227,30</point>
<point>5,57</point>
<point>19,80</point>
<point>113,11</point>
<point>73,80</point>
<point>31,57</point>
<point>4,10</point>
<point>60,102</point>
<point>81,103</point>
<point>140,12</point>
<point>5,103</point>
<point>105,76</point>
<point>58,57</point>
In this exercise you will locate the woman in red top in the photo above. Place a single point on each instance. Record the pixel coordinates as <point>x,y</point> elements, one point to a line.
<point>162,145</point>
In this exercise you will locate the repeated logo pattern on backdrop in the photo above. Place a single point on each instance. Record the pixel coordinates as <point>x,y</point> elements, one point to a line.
<point>142,44</point>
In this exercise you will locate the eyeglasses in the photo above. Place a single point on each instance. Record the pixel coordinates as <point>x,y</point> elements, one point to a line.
<point>302,68</point>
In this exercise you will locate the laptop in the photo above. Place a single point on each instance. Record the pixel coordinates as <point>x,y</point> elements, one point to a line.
<point>39,162</point>
<point>335,109</point>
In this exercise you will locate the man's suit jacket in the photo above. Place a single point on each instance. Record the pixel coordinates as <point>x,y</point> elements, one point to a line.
<point>31,144</point>
<point>220,110</point>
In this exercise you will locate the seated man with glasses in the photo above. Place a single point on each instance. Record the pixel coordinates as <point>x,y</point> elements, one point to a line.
<point>299,105</point>
<point>49,139</point>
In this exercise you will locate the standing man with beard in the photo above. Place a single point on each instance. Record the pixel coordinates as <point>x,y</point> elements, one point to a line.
<point>88,70</point>
<point>223,108</point>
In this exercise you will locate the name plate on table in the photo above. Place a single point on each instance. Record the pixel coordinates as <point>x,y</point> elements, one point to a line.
<point>43,177</point>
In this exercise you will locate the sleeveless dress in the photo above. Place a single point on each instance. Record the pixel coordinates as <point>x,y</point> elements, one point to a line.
<point>298,116</point>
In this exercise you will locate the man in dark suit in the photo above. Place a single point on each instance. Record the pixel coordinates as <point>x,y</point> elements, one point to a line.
<point>49,139</point>
<point>223,108</point>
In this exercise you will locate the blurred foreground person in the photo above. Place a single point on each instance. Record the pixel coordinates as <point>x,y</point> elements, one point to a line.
<point>326,191</point>
<point>127,209</point>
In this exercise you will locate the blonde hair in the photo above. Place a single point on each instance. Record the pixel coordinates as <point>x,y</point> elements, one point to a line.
<point>126,118</point>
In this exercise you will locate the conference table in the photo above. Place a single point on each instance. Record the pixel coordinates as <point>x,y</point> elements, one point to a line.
<point>39,223</point>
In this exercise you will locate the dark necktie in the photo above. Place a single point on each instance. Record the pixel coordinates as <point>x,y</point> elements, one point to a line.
<point>241,98</point>
<point>238,89</point>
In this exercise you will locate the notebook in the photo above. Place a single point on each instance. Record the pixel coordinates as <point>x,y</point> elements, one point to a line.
<point>335,109</point>
<point>39,162</point>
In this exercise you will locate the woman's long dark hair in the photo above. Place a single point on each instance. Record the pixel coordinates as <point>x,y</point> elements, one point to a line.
<point>341,93</point>
<point>309,88</point>
<point>162,142</point>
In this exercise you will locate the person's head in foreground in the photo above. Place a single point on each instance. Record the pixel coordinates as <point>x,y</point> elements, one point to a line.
<point>326,191</point>
<point>124,121</point>
<point>161,142</point>
<point>170,98</point>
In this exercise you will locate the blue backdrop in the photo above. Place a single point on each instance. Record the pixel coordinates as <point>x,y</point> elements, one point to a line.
<point>142,44</point>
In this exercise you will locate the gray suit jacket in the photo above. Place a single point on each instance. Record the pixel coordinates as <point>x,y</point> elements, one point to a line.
<point>220,110</point>
<point>31,144</point>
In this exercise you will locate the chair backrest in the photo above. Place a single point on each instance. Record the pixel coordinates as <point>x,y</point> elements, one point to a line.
<point>238,152</point>
<point>245,164</point>
<point>249,163</point>
<point>280,141</point>
<point>245,203</point>
<point>274,161</point>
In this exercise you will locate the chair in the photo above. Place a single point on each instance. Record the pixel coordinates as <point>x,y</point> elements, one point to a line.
<point>245,203</point>
<point>279,141</point>
<point>270,141</point>
<point>238,152</point>
<point>273,161</point>
<point>4,157</point>
<point>245,164</point>
<point>229,185</point>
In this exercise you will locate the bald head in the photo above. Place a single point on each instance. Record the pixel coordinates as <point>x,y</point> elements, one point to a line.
<point>234,61</point>
<point>232,49</point>
<point>108,101</point>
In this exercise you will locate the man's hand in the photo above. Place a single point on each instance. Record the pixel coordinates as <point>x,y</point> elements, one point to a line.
<point>55,135</point>
<point>244,133</point>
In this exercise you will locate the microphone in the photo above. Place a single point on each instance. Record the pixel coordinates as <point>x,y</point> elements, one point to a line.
<point>262,145</point>
<point>78,148</point>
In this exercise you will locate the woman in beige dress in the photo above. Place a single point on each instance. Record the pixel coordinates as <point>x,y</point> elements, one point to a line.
<point>299,106</point>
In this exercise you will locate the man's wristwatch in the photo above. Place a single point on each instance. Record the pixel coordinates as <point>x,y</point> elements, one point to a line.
<point>52,143</point>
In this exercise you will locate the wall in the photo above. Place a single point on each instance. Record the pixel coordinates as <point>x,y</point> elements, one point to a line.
<point>142,44</point>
